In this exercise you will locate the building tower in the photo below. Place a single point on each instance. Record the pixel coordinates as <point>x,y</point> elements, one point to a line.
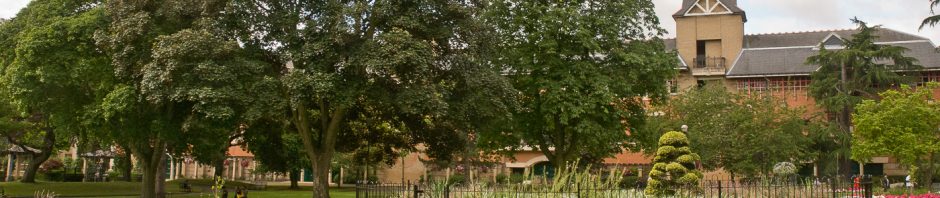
<point>709,36</point>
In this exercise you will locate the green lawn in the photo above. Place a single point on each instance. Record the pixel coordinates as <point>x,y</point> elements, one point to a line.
<point>131,189</point>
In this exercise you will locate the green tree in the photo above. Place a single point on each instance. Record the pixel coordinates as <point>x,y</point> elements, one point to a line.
<point>51,68</point>
<point>902,124</point>
<point>742,134</point>
<point>277,148</point>
<point>932,20</point>
<point>581,68</point>
<point>673,165</point>
<point>179,78</point>
<point>858,71</point>
<point>410,64</point>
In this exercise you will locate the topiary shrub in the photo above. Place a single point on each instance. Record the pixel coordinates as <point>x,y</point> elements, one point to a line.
<point>673,165</point>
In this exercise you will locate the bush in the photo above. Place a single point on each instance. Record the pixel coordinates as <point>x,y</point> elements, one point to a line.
<point>53,175</point>
<point>73,177</point>
<point>671,165</point>
<point>50,165</point>
<point>502,178</point>
<point>456,180</point>
<point>629,182</point>
<point>516,178</point>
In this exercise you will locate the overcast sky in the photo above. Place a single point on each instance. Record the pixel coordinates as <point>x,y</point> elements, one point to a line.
<point>770,16</point>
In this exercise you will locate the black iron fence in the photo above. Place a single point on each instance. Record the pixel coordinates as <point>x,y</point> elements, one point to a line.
<point>760,187</point>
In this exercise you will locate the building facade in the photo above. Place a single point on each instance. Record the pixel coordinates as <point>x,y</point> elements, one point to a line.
<point>713,49</point>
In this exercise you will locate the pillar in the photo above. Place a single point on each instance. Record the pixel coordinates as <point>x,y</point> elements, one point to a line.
<point>10,165</point>
<point>233,166</point>
<point>172,169</point>
<point>447,175</point>
<point>341,177</point>
<point>329,178</point>
<point>84,166</point>
<point>861,168</point>
<point>815,169</point>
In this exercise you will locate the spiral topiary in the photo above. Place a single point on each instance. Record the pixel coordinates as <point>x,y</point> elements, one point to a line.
<point>673,165</point>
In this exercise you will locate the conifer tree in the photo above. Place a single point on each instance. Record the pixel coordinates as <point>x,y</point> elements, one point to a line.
<point>673,166</point>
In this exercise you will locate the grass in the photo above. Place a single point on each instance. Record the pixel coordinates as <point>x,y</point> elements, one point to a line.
<point>132,189</point>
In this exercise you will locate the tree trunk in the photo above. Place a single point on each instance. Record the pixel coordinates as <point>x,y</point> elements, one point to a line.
<point>219,168</point>
<point>149,159</point>
<point>160,177</point>
<point>927,172</point>
<point>320,169</point>
<point>148,183</point>
<point>294,175</point>
<point>39,158</point>
<point>127,167</point>
<point>33,167</point>
<point>319,151</point>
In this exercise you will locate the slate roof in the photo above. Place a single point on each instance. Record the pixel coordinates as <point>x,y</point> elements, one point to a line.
<point>784,54</point>
<point>731,4</point>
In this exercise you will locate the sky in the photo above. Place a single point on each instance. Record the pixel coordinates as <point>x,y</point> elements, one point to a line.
<point>773,16</point>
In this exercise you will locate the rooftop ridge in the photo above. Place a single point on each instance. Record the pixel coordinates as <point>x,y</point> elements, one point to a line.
<point>799,32</point>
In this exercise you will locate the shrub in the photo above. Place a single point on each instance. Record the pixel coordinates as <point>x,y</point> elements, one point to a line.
<point>50,165</point>
<point>54,175</point>
<point>456,180</point>
<point>502,178</point>
<point>73,177</point>
<point>516,178</point>
<point>674,165</point>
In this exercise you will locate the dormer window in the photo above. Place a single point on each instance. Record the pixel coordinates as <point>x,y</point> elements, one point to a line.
<point>833,41</point>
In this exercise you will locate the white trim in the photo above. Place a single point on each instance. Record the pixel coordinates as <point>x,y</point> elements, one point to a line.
<point>708,14</point>
<point>908,41</point>
<point>772,75</point>
<point>909,34</point>
<point>776,48</point>
<point>879,43</point>
<point>526,164</point>
<point>736,60</point>
<point>823,42</point>
<point>709,11</point>
<point>681,60</point>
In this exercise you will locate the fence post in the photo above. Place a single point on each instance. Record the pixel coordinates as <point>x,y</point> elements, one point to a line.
<point>415,191</point>
<point>357,190</point>
<point>719,188</point>
<point>832,184</point>
<point>447,191</point>
<point>579,189</point>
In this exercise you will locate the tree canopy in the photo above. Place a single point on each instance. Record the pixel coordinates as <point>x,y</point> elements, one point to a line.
<point>903,124</point>
<point>410,65</point>
<point>581,69</point>
<point>743,134</point>
<point>673,165</point>
<point>51,71</point>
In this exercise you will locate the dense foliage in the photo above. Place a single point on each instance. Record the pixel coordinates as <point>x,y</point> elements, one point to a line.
<point>858,71</point>
<point>903,124</point>
<point>742,134</point>
<point>673,165</point>
<point>581,68</point>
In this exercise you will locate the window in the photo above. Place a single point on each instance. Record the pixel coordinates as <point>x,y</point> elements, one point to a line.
<point>699,49</point>
<point>708,82</point>
<point>672,86</point>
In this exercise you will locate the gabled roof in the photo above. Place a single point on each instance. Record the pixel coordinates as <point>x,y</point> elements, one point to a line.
<point>732,5</point>
<point>812,38</point>
<point>785,54</point>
